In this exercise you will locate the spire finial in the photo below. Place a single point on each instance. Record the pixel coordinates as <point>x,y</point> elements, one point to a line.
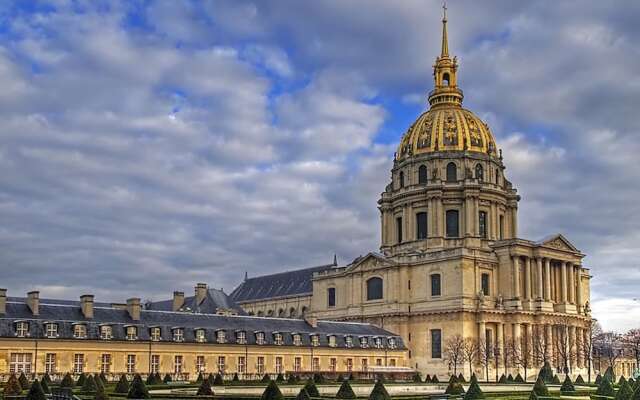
<point>445,40</point>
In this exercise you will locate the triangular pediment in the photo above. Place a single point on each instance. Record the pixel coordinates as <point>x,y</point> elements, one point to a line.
<point>369,262</point>
<point>558,242</point>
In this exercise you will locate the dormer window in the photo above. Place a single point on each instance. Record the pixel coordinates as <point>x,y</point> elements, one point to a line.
<point>278,339</point>
<point>241,337</point>
<point>364,342</point>
<point>22,329</point>
<point>221,336</point>
<point>297,339</point>
<point>348,341</point>
<point>106,332</point>
<point>132,333</point>
<point>201,336</point>
<point>259,337</point>
<point>315,340</point>
<point>332,341</point>
<point>80,331</point>
<point>392,343</point>
<point>178,335</point>
<point>378,342</point>
<point>51,330</point>
<point>155,334</point>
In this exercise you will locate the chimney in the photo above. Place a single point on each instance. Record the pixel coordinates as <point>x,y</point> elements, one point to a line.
<point>201,292</point>
<point>86,305</point>
<point>33,301</point>
<point>133,308</point>
<point>178,300</point>
<point>3,301</point>
<point>312,321</point>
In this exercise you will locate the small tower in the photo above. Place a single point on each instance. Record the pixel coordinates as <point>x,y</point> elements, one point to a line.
<point>444,73</point>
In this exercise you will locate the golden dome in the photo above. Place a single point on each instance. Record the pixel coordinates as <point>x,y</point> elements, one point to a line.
<point>447,129</point>
<point>446,126</point>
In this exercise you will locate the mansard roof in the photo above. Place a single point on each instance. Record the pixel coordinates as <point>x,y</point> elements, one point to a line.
<point>283,284</point>
<point>215,300</point>
<point>66,316</point>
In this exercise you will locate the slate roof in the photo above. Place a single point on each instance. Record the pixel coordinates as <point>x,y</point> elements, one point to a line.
<point>283,284</point>
<point>214,300</point>
<point>66,316</point>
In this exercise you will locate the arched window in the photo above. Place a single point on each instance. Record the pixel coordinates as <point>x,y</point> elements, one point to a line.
<point>421,225</point>
<point>260,314</point>
<point>445,79</point>
<point>422,175</point>
<point>401,179</point>
<point>281,313</point>
<point>292,312</point>
<point>452,172</point>
<point>270,313</point>
<point>479,173</point>
<point>452,224</point>
<point>374,288</point>
<point>304,311</point>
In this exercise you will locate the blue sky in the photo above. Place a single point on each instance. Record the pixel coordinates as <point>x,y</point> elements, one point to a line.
<point>149,145</point>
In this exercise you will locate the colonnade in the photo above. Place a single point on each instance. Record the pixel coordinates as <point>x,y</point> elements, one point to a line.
<point>556,343</point>
<point>545,279</point>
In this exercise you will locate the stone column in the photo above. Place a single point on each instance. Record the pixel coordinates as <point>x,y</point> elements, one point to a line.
<point>468,212</point>
<point>482,333</point>
<point>493,232</point>
<point>527,278</point>
<point>572,348</point>
<point>514,222</point>
<point>475,218</point>
<point>579,289</point>
<point>547,280</point>
<point>410,224</point>
<point>529,343</point>
<point>548,339</point>
<point>540,282</point>
<point>516,276</point>
<point>440,217</point>
<point>563,282</point>
<point>500,341</point>
<point>579,358</point>
<point>571,285</point>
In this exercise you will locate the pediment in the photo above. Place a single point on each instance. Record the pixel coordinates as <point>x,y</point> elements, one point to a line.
<point>369,262</point>
<point>558,242</point>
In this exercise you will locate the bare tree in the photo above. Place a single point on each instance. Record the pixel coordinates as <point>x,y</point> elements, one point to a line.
<point>632,340</point>
<point>521,354</point>
<point>485,356</point>
<point>540,346</point>
<point>454,352</point>
<point>594,330</point>
<point>562,346</point>
<point>608,345</point>
<point>470,353</point>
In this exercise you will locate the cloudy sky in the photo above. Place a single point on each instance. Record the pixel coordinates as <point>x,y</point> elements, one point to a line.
<point>149,145</point>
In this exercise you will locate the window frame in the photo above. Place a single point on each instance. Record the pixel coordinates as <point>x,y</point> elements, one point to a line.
<point>422,225</point>
<point>435,281</point>
<point>485,277</point>
<point>155,334</point>
<point>423,175</point>
<point>106,332</point>
<point>452,173</point>
<point>131,333</point>
<point>79,331</point>
<point>436,339</point>
<point>331,297</point>
<point>177,335</point>
<point>483,227</point>
<point>449,230</point>
<point>371,290</point>
<point>22,329</point>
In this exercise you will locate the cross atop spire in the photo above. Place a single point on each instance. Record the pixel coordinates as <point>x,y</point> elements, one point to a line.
<point>445,39</point>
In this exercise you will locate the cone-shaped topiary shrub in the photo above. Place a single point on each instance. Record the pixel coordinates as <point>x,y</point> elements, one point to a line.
<point>503,379</point>
<point>12,387</point>
<point>46,378</point>
<point>24,382</point>
<point>518,378</point>
<point>103,378</point>
<point>609,374</point>
<point>453,379</point>
<point>303,395</point>
<point>622,380</point>
<point>138,390</point>
<point>45,386</point>
<point>205,388</point>
<point>556,380</point>
<point>434,379</point>
<point>598,379</point>
<point>291,379</point>
<point>417,377</point>
<point>567,386</point>
<point>345,391</point>
<point>474,391</point>
<point>351,377</point>
<point>510,378</point>
<point>540,388</point>
<point>272,392</point>
<point>461,378</point>
<point>311,388</point>
<point>625,392</point>
<point>122,386</point>
<point>454,388</point>
<point>279,378</point>
<point>67,382</point>
<point>218,380</point>
<point>636,391</point>
<point>198,380</point>
<point>546,373</point>
<point>533,396</point>
<point>379,392</point>
<point>167,379</point>
<point>81,379</point>
<point>266,378</point>
<point>211,378</point>
<point>36,392</point>
<point>235,378</point>
<point>89,385</point>
<point>151,380</point>
<point>606,388</point>
<point>427,379</point>
<point>318,378</point>
<point>580,380</point>
<point>101,394</point>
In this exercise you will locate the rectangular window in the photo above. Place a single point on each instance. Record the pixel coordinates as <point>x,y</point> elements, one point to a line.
<point>132,333</point>
<point>131,363</point>
<point>106,332</point>
<point>221,336</point>
<point>436,289</point>
<point>501,227</point>
<point>242,362</point>
<point>297,364</point>
<point>78,364</point>
<point>20,362</point>
<point>201,336</point>
<point>278,339</point>
<point>105,363</point>
<point>349,364</point>
<point>421,225</point>
<point>50,363</point>
<point>331,297</point>
<point>297,339</point>
<point>80,331</point>
<point>155,334</point>
<point>482,224</point>
<point>452,224</point>
<point>200,365</point>
<point>177,364</point>
<point>436,343</point>
<point>279,368</point>
<point>333,363</point>
<point>485,284</point>
<point>178,335</point>
<point>315,364</point>
<point>260,365</point>
<point>22,329</point>
<point>392,362</point>
<point>378,362</point>
<point>315,340</point>
<point>52,330</point>
<point>348,341</point>
<point>241,337</point>
<point>399,229</point>
<point>364,364</point>
<point>222,364</point>
<point>260,338</point>
<point>332,341</point>
<point>155,363</point>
